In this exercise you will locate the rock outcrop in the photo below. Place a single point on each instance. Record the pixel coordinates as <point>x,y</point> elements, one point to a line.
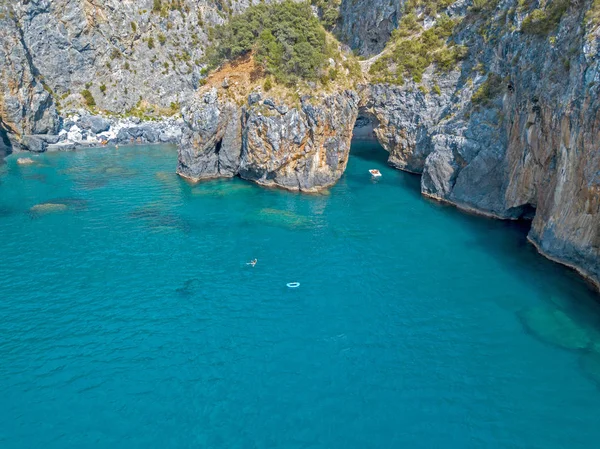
<point>513,131</point>
<point>26,106</point>
<point>119,51</point>
<point>298,147</point>
<point>366,25</point>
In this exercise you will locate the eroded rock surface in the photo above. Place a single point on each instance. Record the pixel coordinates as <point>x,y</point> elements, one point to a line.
<point>298,147</point>
<point>527,148</point>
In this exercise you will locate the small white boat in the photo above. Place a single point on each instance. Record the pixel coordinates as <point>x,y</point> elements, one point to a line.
<point>375,173</point>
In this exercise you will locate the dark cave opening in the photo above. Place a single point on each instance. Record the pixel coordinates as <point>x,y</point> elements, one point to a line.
<point>524,212</point>
<point>364,143</point>
<point>364,127</point>
<point>218,147</point>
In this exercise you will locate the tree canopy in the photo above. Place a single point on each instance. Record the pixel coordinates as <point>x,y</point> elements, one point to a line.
<point>286,38</point>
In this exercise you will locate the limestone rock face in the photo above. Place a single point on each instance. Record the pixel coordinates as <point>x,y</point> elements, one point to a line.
<point>211,145</point>
<point>301,147</point>
<point>366,25</point>
<point>126,46</point>
<point>530,148</point>
<point>26,106</point>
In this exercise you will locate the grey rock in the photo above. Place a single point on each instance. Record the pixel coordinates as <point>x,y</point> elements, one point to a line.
<point>211,141</point>
<point>295,150</point>
<point>366,25</point>
<point>532,148</point>
<point>95,124</point>
<point>34,144</point>
<point>253,98</point>
<point>62,147</point>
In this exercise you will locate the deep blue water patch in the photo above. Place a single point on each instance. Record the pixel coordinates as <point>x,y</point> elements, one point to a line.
<point>130,318</point>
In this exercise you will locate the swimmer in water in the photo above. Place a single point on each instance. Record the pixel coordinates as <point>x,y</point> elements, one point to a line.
<point>252,262</point>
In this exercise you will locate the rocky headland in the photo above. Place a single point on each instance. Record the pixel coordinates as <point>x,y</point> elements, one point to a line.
<point>298,147</point>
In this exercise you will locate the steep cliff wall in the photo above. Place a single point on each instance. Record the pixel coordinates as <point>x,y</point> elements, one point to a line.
<point>511,130</point>
<point>26,106</point>
<point>122,52</point>
<point>366,25</point>
<point>301,146</point>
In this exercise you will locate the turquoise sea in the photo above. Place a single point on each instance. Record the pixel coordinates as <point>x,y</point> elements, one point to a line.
<point>129,318</point>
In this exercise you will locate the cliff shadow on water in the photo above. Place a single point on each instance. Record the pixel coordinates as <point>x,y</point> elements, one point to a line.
<point>505,240</point>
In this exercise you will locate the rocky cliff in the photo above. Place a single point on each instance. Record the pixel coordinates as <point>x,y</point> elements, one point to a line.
<point>26,106</point>
<point>134,59</point>
<point>119,51</point>
<point>302,146</point>
<point>511,130</point>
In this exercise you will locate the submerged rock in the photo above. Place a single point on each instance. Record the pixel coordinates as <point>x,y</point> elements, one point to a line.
<point>555,327</point>
<point>46,208</point>
<point>25,161</point>
<point>281,218</point>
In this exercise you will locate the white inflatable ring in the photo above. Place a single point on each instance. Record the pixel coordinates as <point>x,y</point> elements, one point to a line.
<point>293,284</point>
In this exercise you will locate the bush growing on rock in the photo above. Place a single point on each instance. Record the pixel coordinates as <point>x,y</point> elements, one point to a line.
<point>489,89</point>
<point>543,21</point>
<point>267,86</point>
<point>89,98</point>
<point>329,11</point>
<point>286,38</point>
<point>412,48</point>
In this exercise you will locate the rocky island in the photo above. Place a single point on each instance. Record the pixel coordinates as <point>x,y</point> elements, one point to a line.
<point>493,102</point>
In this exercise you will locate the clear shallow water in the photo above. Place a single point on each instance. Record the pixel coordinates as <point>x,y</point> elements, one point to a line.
<point>130,320</point>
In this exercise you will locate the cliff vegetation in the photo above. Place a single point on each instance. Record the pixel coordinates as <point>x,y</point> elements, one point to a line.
<point>289,45</point>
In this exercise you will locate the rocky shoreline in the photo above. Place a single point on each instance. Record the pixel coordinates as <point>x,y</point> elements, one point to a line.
<point>83,130</point>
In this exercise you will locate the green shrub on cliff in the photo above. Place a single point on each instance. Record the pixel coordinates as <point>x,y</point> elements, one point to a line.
<point>286,38</point>
<point>543,21</point>
<point>411,50</point>
<point>592,16</point>
<point>489,89</point>
<point>329,11</point>
<point>88,98</point>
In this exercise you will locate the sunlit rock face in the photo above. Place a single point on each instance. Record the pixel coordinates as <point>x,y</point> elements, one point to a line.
<point>528,148</point>
<point>301,146</point>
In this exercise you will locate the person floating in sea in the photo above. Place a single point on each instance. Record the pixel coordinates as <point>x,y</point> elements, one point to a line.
<point>252,262</point>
